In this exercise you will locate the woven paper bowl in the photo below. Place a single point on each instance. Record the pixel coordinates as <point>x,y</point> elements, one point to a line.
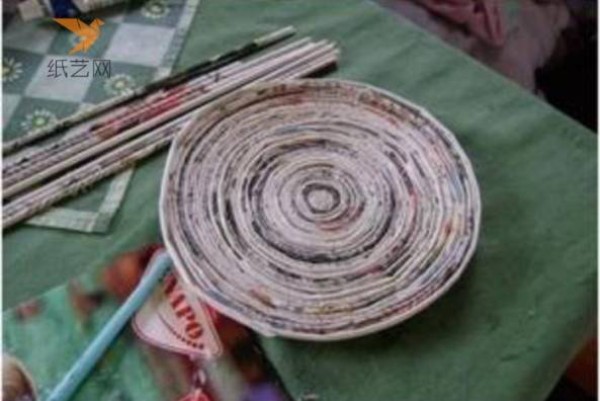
<point>318,209</point>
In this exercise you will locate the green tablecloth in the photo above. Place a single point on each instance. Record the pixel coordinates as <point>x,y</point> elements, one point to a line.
<point>527,301</point>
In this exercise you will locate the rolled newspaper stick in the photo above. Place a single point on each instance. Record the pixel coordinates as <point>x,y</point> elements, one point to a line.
<point>210,92</point>
<point>29,163</point>
<point>125,155</point>
<point>204,67</point>
<point>79,179</point>
<point>52,163</point>
<point>57,157</point>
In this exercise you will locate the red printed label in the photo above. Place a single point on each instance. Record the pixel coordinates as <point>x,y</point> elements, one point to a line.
<point>178,321</point>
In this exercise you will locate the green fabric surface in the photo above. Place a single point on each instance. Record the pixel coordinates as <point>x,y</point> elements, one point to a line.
<point>508,328</point>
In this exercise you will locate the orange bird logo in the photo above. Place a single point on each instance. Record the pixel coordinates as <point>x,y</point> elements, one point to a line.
<point>88,33</point>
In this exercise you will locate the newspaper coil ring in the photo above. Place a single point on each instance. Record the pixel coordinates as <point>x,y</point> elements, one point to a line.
<point>318,209</point>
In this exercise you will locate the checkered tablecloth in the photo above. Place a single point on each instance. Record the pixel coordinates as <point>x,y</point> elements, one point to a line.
<point>141,39</point>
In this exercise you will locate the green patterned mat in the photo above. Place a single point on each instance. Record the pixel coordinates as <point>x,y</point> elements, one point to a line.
<point>33,97</point>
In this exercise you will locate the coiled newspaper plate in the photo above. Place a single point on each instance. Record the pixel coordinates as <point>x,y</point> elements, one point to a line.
<point>318,209</point>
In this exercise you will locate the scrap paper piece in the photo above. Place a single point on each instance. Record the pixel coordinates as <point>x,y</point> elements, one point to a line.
<point>177,321</point>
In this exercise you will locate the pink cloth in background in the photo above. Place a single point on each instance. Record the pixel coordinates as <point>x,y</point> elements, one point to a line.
<point>483,18</point>
<point>532,34</point>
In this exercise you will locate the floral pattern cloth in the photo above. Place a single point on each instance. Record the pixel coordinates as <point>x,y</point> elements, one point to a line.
<point>37,93</point>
